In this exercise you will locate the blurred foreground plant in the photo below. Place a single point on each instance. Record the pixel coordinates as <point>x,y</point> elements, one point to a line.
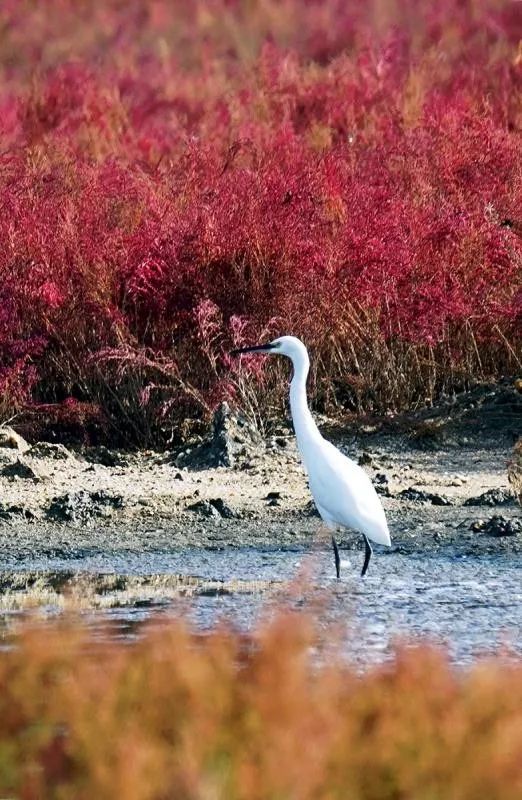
<point>224,715</point>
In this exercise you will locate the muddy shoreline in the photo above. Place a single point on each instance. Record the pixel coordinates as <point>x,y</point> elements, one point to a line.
<point>443,479</point>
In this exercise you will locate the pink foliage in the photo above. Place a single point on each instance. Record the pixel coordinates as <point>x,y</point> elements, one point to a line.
<point>177,179</point>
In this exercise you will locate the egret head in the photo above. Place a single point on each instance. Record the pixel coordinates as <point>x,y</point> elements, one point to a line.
<point>289,346</point>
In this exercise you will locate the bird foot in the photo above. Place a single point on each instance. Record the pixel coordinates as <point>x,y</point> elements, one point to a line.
<point>367,555</point>
<point>337,558</point>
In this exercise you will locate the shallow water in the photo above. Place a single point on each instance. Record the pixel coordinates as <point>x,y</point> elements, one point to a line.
<point>471,605</point>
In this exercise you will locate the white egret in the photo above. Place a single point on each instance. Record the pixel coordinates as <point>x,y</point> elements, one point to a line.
<point>342,491</point>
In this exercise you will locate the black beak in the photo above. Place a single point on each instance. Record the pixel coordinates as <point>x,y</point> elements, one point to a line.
<point>257,348</point>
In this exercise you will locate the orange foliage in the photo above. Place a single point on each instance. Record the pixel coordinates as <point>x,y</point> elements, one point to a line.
<point>181,715</point>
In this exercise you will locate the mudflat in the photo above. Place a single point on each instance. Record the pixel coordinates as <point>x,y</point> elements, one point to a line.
<point>442,475</point>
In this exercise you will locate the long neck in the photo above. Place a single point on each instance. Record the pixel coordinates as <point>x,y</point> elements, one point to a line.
<point>306,430</point>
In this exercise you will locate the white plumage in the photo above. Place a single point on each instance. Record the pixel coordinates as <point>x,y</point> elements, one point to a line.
<point>342,491</point>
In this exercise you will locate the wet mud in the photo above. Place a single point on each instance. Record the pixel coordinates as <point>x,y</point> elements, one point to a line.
<point>93,528</point>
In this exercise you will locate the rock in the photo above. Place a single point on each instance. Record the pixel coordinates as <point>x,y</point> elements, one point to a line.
<point>493,497</point>
<point>7,456</point>
<point>498,526</point>
<point>215,507</point>
<point>273,496</point>
<point>107,458</point>
<point>420,496</point>
<point>204,508</point>
<point>439,499</point>
<point>12,440</point>
<point>457,481</point>
<point>369,428</point>
<point>223,509</point>
<point>82,505</point>
<point>233,441</point>
<point>19,469</point>
<point>428,434</point>
<point>10,511</point>
<point>232,435</point>
<point>48,450</point>
<point>310,510</point>
<point>381,483</point>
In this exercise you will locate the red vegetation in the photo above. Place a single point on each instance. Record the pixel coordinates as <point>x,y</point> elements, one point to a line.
<point>176,178</point>
<point>270,716</point>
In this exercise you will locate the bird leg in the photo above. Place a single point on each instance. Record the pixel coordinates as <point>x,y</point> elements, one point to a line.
<point>337,558</point>
<point>367,555</point>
